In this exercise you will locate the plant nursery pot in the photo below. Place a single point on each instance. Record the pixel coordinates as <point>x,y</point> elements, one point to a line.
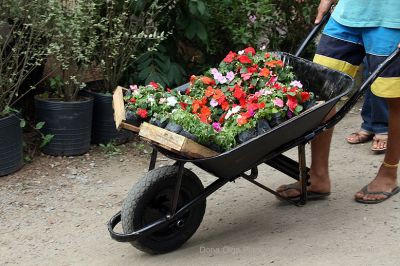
<point>247,135</point>
<point>133,119</point>
<point>276,120</point>
<point>171,126</point>
<point>11,156</point>
<point>103,126</point>
<point>263,126</point>
<point>69,122</point>
<point>188,135</point>
<point>158,122</point>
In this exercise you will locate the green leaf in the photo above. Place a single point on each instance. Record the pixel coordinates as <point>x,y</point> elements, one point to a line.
<point>22,123</point>
<point>201,8</point>
<point>39,125</point>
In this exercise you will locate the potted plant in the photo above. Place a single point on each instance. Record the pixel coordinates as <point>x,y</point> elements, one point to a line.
<point>68,115</point>
<point>23,47</point>
<point>123,34</point>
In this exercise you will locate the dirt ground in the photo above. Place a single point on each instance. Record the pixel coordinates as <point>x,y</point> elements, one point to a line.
<point>55,210</point>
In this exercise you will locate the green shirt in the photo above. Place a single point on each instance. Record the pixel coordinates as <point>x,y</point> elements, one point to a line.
<point>368,13</point>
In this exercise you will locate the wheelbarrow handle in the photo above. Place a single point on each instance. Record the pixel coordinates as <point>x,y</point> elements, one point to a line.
<point>354,98</point>
<point>317,28</point>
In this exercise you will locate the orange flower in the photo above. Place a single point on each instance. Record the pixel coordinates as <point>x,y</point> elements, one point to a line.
<point>225,106</point>
<point>192,79</point>
<point>218,94</point>
<point>265,72</point>
<point>209,91</point>
<point>207,80</point>
<point>196,106</point>
<point>242,120</point>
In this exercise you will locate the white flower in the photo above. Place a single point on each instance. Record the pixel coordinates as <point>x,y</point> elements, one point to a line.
<point>151,100</point>
<point>172,101</point>
<point>162,100</point>
<point>234,110</point>
<point>262,48</point>
<point>297,84</point>
<point>241,52</point>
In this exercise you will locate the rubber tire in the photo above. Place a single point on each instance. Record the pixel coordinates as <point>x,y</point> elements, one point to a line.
<point>141,195</point>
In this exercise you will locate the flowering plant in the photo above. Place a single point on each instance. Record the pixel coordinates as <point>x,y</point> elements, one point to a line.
<point>246,88</point>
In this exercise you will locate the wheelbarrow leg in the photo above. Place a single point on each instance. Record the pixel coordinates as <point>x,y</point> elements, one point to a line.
<point>303,177</point>
<point>177,187</point>
<point>153,159</point>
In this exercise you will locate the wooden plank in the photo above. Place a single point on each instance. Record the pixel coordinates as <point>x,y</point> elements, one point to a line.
<point>118,106</point>
<point>174,142</point>
<point>130,127</point>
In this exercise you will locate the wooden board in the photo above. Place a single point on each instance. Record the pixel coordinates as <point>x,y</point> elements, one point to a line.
<point>118,106</point>
<point>174,142</point>
<point>130,127</point>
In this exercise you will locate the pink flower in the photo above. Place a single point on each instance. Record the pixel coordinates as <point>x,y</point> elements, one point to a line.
<point>252,18</point>
<point>214,71</point>
<point>213,102</point>
<point>230,76</point>
<point>278,102</point>
<point>217,126</point>
<point>246,76</point>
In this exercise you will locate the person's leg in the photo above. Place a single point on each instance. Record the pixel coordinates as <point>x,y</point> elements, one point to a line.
<point>386,179</point>
<point>340,48</point>
<point>379,43</point>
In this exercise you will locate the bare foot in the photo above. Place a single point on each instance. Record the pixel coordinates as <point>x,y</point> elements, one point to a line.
<point>317,184</point>
<point>385,181</point>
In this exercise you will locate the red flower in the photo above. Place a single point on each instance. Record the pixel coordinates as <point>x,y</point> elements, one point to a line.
<point>239,93</point>
<point>305,96</point>
<point>204,114</point>
<point>261,105</point>
<point>230,57</point>
<point>252,69</point>
<point>207,80</point>
<point>291,103</point>
<point>267,55</point>
<point>244,59</point>
<point>187,91</point>
<point>154,85</point>
<point>183,105</point>
<point>168,90</point>
<point>132,100</point>
<point>265,72</point>
<point>142,113</point>
<point>250,50</point>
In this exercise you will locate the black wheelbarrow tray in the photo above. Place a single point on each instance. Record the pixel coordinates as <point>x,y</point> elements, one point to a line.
<point>166,206</point>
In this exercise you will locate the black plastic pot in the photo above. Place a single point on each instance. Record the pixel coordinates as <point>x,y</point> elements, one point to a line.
<point>10,145</point>
<point>263,126</point>
<point>69,122</point>
<point>247,135</point>
<point>171,126</point>
<point>188,135</point>
<point>103,127</point>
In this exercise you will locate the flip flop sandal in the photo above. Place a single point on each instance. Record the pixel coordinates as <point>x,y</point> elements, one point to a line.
<point>388,195</point>
<point>311,195</point>
<point>379,139</point>
<point>360,137</point>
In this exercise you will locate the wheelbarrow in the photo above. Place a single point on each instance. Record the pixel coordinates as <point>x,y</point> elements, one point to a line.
<point>166,206</point>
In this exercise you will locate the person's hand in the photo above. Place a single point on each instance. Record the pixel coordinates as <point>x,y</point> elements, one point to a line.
<point>324,7</point>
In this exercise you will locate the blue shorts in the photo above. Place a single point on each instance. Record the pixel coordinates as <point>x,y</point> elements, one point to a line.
<point>344,48</point>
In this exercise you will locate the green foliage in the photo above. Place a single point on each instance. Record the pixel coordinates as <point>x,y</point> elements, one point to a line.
<point>126,29</point>
<point>110,149</point>
<point>23,46</point>
<point>74,40</point>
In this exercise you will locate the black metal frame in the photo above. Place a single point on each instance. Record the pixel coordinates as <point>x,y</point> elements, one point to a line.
<point>296,170</point>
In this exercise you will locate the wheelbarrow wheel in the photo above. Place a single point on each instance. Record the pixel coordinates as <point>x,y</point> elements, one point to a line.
<point>150,199</point>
